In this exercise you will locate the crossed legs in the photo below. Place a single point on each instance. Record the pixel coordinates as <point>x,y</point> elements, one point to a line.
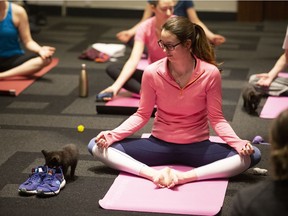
<point>27,68</point>
<point>130,155</point>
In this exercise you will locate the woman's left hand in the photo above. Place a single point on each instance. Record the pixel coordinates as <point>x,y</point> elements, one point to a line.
<point>247,149</point>
<point>101,141</point>
<point>264,80</point>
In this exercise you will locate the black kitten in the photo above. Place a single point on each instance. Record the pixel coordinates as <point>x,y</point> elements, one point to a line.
<point>65,157</point>
<point>251,98</point>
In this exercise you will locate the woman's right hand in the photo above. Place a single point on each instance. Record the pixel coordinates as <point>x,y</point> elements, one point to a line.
<point>111,89</point>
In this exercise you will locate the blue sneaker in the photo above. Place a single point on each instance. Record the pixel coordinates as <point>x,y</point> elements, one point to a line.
<point>35,178</point>
<point>53,182</point>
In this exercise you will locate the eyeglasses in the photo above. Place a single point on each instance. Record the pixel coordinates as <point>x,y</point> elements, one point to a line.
<point>168,47</point>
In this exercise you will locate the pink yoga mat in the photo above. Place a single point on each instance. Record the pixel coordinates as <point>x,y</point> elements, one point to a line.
<point>143,63</point>
<point>273,107</point>
<point>283,74</point>
<point>132,193</point>
<point>125,99</point>
<point>15,85</point>
<point>125,103</point>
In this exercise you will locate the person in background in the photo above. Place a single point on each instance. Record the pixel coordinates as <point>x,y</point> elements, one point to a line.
<point>148,33</point>
<point>270,196</point>
<point>185,86</point>
<point>14,32</point>
<point>182,8</point>
<point>270,83</point>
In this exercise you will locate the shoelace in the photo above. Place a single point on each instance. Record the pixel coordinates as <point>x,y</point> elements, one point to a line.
<point>33,177</point>
<point>48,180</point>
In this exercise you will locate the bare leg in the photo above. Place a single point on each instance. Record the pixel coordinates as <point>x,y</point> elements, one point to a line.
<point>27,68</point>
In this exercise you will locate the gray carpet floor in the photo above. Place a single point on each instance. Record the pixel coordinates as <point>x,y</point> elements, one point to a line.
<point>46,114</point>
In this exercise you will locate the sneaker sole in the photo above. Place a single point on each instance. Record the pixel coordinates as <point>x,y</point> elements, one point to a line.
<point>24,191</point>
<point>42,193</point>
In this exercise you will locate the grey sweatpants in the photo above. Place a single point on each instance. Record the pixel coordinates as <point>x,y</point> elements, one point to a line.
<point>277,87</point>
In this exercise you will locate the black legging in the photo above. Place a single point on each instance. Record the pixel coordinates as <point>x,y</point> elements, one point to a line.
<point>133,84</point>
<point>130,44</point>
<point>14,61</point>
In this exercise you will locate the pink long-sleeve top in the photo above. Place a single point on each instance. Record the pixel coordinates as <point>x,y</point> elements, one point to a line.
<point>183,115</point>
<point>146,33</point>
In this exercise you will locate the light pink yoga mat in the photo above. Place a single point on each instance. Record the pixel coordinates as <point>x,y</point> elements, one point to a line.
<point>132,193</point>
<point>15,85</point>
<point>283,74</point>
<point>273,107</point>
<point>143,63</point>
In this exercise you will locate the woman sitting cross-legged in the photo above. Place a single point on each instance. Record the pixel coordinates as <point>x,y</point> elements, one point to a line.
<point>186,88</point>
<point>15,33</point>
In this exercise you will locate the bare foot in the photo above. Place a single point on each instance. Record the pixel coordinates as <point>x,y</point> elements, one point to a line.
<point>166,178</point>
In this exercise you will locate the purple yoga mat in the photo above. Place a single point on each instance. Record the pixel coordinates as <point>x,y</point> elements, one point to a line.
<point>132,193</point>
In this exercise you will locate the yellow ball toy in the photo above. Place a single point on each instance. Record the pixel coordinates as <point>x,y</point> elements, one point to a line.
<point>80,128</point>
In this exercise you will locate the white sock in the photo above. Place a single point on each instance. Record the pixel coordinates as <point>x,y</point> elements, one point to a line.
<point>117,160</point>
<point>224,168</point>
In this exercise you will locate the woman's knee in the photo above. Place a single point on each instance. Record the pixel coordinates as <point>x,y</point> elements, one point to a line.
<point>91,145</point>
<point>255,157</point>
<point>39,62</point>
<point>118,146</point>
<point>114,70</point>
<point>46,61</point>
<point>253,79</point>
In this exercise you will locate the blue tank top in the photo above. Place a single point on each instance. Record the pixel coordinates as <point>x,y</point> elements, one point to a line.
<point>9,37</point>
<point>180,9</point>
<point>182,6</point>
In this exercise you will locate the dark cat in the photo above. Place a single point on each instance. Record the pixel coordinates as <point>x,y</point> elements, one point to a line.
<point>251,98</point>
<point>65,157</point>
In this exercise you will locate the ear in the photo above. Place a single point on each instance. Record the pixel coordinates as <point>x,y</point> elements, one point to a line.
<point>152,8</point>
<point>188,44</point>
<point>54,160</point>
<point>44,152</point>
<point>251,94</point>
